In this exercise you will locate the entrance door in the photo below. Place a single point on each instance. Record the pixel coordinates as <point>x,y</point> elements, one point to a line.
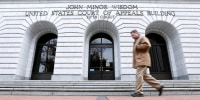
<point>160,67</point>
<point>44,58</point>
<point>101,63</point>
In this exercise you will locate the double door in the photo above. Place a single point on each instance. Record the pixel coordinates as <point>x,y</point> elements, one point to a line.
<point>101,64</point>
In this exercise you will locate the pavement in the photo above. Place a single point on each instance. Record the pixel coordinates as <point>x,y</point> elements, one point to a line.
<point>168,97</point>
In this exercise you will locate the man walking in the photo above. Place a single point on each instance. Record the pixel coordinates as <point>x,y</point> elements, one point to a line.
<point>142,61</point>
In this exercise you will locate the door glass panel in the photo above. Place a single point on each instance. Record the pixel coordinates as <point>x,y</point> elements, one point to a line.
<point>101,59</point>
<point>95,56</point>
<point>107,59</point>
<point>101,64</point>
<point>96,41</point>
<point>44,57</point>
<point>44,54</point>
<point>106,41</point>
<point>47,56</point>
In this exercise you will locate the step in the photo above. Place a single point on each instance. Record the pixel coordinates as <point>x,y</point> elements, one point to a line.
<point>38,87</point>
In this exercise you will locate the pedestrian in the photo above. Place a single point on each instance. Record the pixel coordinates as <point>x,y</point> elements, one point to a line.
<point>142,61</point>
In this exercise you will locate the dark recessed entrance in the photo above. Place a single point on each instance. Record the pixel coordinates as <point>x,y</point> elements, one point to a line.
<point>159,58</point>
<point>101,59</point>
<point>44,58</point>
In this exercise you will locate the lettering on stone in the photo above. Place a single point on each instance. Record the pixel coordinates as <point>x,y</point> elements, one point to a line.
<point>74,7</point>
<point>62,13</point>
<point>124,6</point>
<point>129,13</point>
<point>161,13</point>
<point>97,7</point>
<point>36,13</point>
<point>101,11</point>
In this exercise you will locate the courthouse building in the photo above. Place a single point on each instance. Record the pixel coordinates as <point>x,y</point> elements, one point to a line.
<point>90,39</point>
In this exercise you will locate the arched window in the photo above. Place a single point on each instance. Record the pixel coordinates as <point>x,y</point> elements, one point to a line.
<point>101,59</point>
<point>44,57</point>
<point>159,58</point>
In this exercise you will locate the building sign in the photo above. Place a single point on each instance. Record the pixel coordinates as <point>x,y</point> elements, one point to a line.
<point>101,11</point>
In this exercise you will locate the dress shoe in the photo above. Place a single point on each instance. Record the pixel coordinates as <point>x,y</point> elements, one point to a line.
<point>137,95</point>
<point>160,90</point>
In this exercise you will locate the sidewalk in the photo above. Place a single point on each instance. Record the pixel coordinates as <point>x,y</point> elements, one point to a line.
<point>169,97</point>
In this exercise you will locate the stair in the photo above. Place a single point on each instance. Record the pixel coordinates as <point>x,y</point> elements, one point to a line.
<point>97,88</point>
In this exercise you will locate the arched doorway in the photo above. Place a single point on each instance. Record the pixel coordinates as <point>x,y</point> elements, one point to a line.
<point>159,58</point>
<point>101,58</point>
<point>44,57</point>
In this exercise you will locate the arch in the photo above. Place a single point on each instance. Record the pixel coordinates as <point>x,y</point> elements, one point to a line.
<point>33,33</point>
<point>174,48</point>
<point>102,26</point>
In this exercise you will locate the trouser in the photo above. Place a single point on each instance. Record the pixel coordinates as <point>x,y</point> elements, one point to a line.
<point>141,76</point>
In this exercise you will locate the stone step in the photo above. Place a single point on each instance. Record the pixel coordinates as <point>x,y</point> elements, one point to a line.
<point>90,82</point>
<point>90,89</point>
<point>186,85</point>
<point>24,87</point>
<point>179,85</point>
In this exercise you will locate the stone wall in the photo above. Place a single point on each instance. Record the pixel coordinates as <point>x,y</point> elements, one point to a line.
<point>23,23</point>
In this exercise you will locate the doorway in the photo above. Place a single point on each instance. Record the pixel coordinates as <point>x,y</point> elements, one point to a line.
<point>101,58</point>
<point>44,57</point>
<point>160,66</point>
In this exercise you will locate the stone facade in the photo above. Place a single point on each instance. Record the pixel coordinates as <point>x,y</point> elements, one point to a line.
<point>23,22</point>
